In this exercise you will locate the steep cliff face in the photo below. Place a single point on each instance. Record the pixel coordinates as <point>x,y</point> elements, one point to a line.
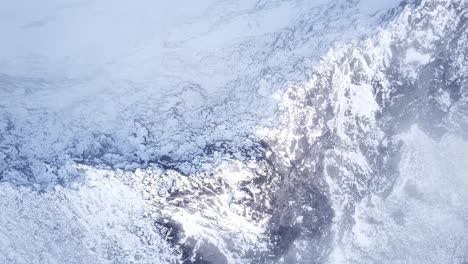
<point>341,131</point>
<point>328,137</point>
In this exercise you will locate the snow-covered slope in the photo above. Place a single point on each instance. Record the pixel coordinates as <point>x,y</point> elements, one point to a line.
<point>233,131</point>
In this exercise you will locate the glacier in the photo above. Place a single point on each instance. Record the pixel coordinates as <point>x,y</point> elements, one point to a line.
<point>234,131</point>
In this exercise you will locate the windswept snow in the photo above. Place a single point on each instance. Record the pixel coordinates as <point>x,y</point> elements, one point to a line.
<point>100,220</point>
<point>233,131</point>
<point>424,218</point>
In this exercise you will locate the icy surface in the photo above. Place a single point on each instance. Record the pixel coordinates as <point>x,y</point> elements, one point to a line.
<point>98,221</point>
<point>233,131</point>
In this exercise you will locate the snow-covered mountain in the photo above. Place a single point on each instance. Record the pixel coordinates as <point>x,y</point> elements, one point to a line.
<point>298,131</point>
